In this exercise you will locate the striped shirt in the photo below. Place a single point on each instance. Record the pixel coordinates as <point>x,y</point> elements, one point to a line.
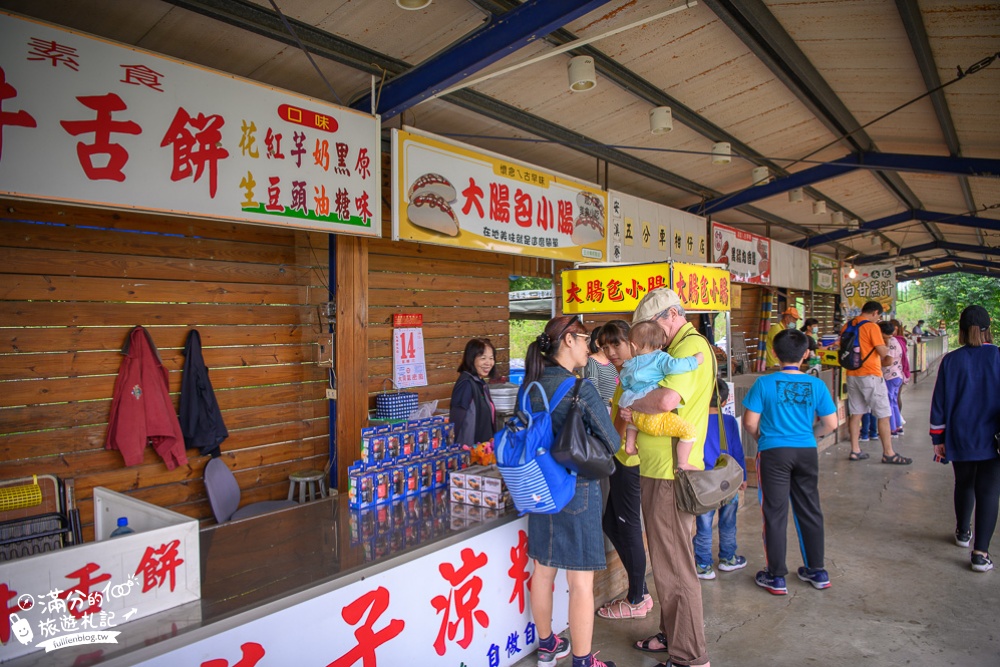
<point>604,377</point>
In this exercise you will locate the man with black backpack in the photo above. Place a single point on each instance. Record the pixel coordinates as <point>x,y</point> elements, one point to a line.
<point>863,357</point>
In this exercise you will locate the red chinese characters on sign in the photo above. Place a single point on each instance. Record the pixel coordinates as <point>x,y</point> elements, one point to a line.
<point>573,293</point>
<point>157,565</point>
<point>519,570</point>
<point>703,288</point>
<point>251,653</point>
<point>80,594</point>
<point>524,214</point>
<point>102,128</point>
<point>15,118</point>
<point>464,597</point>
<point>615,291</point>
<point>55,53</point>
<point>6,609</point>
<point>375,602</point>
<point>140,75</point>
<point>197,142</point>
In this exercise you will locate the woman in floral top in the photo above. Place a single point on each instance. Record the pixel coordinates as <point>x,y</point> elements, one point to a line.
<point>893,374</point>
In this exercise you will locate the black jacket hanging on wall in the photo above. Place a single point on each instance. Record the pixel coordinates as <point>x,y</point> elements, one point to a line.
<point>201,419</point>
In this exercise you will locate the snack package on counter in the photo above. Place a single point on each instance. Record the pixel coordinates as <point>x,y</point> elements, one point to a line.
<point>436,436</point>
<point>440,472</point>
<point>493,480</point>
<point>457,495</point>
<point>379,446</point>
<point>397,483</point>
<point>367,433</point>
<point>407,443</point>
<point>392,447</point>
<point>412,469</point>
<point>449,434</point>
<point>360,486</point>
<point>474,498</point>
<point>383,484</point>
<point>423,436</point>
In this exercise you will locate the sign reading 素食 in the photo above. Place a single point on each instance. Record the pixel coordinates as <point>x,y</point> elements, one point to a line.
<point>89,121</point>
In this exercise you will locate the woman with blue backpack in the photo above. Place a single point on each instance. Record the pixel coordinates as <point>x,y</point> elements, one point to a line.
<point>571,539</point>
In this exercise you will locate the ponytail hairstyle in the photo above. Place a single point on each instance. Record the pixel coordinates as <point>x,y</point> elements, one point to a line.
<point>545,347</point>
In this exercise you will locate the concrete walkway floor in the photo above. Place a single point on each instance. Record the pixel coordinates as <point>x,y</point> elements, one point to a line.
<point>903,593</point>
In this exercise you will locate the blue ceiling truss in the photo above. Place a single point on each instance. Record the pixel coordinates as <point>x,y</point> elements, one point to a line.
<point>899,218</point>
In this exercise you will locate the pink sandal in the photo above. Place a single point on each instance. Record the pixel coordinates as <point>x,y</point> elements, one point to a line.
<point>620,609</point>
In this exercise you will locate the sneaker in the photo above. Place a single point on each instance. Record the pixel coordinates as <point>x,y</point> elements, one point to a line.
<point>592,661</point>
<point>704,571</point>
<point>818,578</point>
<point>981,562</point>
<point>963,538</point>
<point>548,657</point>
<point>863,438</point>
<point>731,564</point>
<point>774,585</point>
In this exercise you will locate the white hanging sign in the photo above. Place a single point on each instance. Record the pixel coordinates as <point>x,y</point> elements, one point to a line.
<point>93,122</point>
<point>408,366</point>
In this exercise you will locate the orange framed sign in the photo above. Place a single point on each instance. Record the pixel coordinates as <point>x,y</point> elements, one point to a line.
<point>702,287</point>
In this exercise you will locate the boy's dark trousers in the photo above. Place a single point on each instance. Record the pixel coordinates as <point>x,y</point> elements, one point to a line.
<point>794,472</point>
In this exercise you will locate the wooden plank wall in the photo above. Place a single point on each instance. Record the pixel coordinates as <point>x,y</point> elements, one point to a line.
<point>747,318</point>
<point>75,281</point>
<point>461,294</point>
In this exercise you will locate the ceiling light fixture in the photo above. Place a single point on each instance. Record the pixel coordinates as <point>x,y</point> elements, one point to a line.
<point>760,176</point>
<point>661,120</point>
<point>795,195</point>
<point>853,223</point>
<point>819,207</point>
<point>721,153</point>
<point>852,274</point>
<point>412,4</point>
<point>582,75</point>
<point>837,218</point>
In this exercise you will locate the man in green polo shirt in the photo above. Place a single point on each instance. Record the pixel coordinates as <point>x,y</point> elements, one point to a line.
<point>668,530</point>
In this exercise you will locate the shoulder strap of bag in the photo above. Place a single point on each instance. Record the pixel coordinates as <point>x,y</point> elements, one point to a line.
<point>715,375</point>
<point>563,389</point>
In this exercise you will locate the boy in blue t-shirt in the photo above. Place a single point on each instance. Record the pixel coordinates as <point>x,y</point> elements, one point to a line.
<point>780,410</point>
<point>729,560</point>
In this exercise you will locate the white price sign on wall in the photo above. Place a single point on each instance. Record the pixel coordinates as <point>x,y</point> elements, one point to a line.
<point>408,366</point>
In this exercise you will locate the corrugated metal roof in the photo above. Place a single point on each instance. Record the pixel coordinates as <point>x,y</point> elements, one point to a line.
<point>722,85</point>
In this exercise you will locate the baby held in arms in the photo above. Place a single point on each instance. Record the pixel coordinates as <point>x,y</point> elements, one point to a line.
<point>642,374</point>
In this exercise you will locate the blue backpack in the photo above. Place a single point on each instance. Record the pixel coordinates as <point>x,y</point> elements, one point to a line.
<point>849,354</point>
<point>537,484</point>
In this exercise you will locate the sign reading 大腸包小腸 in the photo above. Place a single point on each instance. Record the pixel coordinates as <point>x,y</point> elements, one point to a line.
<point>447,193</point>
<point>89,121</point>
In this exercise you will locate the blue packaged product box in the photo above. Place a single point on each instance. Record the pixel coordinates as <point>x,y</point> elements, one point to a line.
<point>449,435</point>
<point>361,486</point>
<point>452,460</point>
<point>412,468</point>
<point>382,485</point>
<point>382,429</point>
<point>397,482</point>
<point>426,474</point>
<point>377,452</point>
<point>423,436</point>
<point>392,447</point>
<point>367,433</point>
<point>465,458</point>
<point>407,443</point>
<point>440,471</point>
<point>437,436</point>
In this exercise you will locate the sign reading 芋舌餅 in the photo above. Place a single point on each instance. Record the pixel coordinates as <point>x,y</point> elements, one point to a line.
<point>97,123</point>
<point>747,255</point>
<point>447,193</point>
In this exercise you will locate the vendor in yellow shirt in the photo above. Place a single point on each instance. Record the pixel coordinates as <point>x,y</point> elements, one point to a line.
<point>787,321</point>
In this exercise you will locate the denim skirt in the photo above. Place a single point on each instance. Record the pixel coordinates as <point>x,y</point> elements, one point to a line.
<point>571,539</point>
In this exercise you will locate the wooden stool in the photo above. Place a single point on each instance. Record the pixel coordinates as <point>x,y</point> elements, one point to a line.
<point>311,482</point>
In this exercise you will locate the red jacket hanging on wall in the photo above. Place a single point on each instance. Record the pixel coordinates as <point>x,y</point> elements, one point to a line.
<point>141,409</point>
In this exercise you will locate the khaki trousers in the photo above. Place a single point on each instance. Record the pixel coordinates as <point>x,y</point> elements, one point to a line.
<point>671,555</point>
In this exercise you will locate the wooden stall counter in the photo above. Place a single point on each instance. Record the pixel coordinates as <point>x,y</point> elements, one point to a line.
<point>416,582</point>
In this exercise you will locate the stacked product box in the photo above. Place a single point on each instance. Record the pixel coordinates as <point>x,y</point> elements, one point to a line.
<point>478,493</point>
<point>402,460</point>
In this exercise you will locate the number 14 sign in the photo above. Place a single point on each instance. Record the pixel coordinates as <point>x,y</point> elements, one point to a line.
<point>408,366</point>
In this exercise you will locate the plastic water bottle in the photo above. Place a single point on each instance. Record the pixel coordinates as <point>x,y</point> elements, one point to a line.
<point>123,527</point>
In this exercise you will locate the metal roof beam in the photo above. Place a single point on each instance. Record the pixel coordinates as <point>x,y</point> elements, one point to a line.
<point>753,23</point>
<point>918,275</point>
<point>892,161</point>
<point>475,51</point>
<point>933,245</point>
<point>844,234</point>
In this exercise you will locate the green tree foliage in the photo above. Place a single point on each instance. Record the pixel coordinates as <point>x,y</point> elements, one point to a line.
<point>518,283</point>
<point>949,295</point>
